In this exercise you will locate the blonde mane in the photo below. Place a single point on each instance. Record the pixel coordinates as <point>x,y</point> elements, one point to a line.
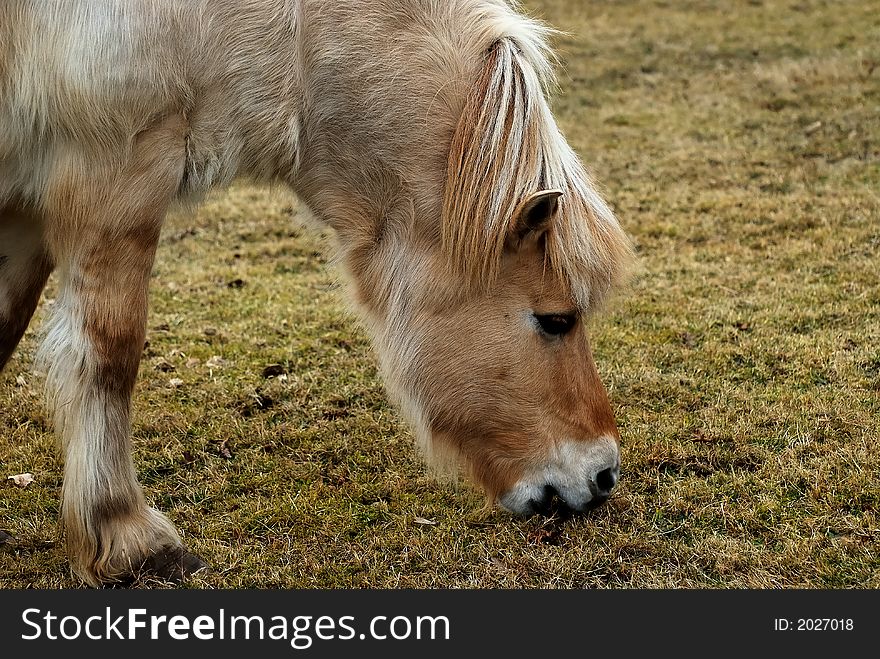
<point>507,146</point>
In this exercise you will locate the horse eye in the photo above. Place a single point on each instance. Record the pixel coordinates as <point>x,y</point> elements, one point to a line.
<point>556,324</point>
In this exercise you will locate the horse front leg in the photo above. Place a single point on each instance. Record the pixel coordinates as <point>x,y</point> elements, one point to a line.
<point>104,228</point>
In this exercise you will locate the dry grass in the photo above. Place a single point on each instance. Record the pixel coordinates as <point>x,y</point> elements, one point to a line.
<point>740,145</point>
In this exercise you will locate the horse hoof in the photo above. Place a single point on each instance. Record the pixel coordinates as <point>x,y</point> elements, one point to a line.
<point>174,564</point>
<point>6,540</point>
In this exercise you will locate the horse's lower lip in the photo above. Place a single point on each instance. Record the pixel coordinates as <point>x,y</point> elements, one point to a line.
<point>596,501</point>
<point>559,506</point>
<point>551,507</point>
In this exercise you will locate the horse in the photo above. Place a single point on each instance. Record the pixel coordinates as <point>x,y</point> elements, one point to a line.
<point>472,240</point>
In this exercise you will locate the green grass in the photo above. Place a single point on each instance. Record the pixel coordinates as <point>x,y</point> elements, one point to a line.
<point>740,146</point>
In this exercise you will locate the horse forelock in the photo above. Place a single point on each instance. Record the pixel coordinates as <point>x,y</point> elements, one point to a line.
<point>506,146</point>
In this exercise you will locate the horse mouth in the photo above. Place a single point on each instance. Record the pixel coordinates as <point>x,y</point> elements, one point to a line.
<point>553,504</point>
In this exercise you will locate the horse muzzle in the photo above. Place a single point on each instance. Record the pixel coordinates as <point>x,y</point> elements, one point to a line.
<point>580,475</point>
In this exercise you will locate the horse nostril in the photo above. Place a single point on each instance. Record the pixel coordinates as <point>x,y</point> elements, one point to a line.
<point>605,482</point>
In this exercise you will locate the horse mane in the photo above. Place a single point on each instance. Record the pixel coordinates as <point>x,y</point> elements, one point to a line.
<point>507,146</point>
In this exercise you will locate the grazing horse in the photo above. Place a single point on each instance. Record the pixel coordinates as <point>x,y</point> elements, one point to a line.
<point>473,242</point>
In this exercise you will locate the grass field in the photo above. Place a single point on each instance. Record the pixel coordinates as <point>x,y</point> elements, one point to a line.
<point>739,143</point>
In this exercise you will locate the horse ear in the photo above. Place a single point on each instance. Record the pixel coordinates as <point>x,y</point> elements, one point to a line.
<point>533,217</point>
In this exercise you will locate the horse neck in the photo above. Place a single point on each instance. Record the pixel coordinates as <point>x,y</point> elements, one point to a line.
<point>380,106</point>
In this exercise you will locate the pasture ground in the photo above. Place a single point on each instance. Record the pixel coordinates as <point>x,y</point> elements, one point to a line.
<point>740,145</point>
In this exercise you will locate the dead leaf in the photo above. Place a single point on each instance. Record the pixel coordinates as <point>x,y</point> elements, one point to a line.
<point>813,127</point>
<point>163,365</point>
<point>215,362</point>
<point>273,370</point>
<point>701,435</point>
<point>547,536</point>
<point>427,522</point>
<point>175,383</point>
<point>254,403</point>
<point>224,450</point>
<point>21,480</point>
